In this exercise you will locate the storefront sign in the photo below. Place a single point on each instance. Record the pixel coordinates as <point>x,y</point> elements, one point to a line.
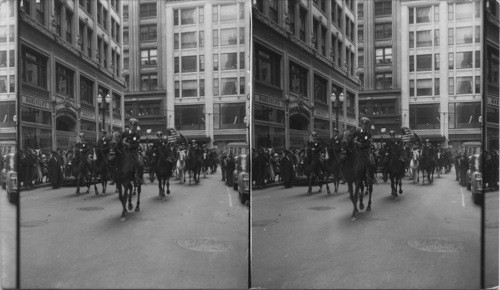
<point>36,102</point>
<point>321,113</point>
<point>88,115</point>
<point>269,100</point>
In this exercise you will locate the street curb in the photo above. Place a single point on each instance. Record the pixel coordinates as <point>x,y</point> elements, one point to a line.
<point>66,182</point>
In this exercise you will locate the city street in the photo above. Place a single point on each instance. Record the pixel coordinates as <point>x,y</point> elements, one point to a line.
<point>196,237</point>
<point>428,237</point>
<point>7,241</point>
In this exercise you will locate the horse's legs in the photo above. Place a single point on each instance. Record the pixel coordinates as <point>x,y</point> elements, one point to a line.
<point>129,186</point>
<point>138,204</point>
<point>392,187</point>
<point>310,184</point>
<point>354,199</point>
<point>78,184</point>
<point>400,184</point>
<point>168,185</point>
<point>159,187</point>
<point>361,187</point>
<point>122,194</point>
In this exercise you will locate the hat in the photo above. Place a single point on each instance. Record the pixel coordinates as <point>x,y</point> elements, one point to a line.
<point>103,132</point>
<point>314,133</point>
<point>335,130</point>
<point>427,140</point>
<point>133,121</point>
<point>159,133</point>
<point>286,151</point>
<point>193,141</point>
<point>81,134</point>
<point>392,132</point>
<point>365,120</point>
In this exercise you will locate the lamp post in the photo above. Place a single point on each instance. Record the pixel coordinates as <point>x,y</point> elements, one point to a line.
<point>103,107</point>
<point>382,130</point>
<point>337,104</point>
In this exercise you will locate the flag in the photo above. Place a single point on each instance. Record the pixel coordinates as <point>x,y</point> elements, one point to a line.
<point>406,134</point>
<point>183,139</point>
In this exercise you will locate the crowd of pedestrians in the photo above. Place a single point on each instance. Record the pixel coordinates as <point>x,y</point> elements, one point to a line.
<point>462,164</point>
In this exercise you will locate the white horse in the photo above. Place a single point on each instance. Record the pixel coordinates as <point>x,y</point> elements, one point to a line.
<point>414,163</point>
<point>180,165</point>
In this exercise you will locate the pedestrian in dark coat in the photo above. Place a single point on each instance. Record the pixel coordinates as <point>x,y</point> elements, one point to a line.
<point>229,170</point>
<point>55,172</point>
<point>223,166</point>
<point>286,166</point>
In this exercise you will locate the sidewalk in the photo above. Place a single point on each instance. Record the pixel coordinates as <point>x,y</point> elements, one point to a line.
<point>66,182</point>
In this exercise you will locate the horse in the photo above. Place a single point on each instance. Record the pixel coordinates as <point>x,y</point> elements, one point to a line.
<point>101,168</point>
<point>333,165</point>
<point>83,169</point>
<point>164,168</point>
<point>124,170</point>
<point>193,165</point>
<point>396,170</point>
<point>314,166</point>
<point>355,173</point>
<point>204,163</point>
<point>414,166</point>
<point>147,163</point>
<point>427,164</point>
<point>180,165</point>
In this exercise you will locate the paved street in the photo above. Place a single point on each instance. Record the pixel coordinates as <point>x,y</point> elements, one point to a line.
<point>197,237</point>
<point>8,242</point>
<point>429,237</point>
<point>491,239</point>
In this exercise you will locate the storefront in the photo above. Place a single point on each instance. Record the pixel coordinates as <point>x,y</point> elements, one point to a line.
<point>269,121</point>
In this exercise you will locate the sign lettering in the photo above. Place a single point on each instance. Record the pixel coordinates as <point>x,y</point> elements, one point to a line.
<point>36,103</point>
<point>269,100</point>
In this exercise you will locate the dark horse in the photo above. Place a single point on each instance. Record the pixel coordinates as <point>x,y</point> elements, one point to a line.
<point>164,168</point>
<point>332,166</point>
<point>314,166</point>
<point>101,168</point>
<point>428,164</point>
<point>83,169</point>
<point>124,171</point>
<point>193,164</point>
<point>355,173</point>
<point>396,170</point>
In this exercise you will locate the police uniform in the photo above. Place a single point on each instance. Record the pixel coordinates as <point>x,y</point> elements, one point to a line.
<point>132,140</point>
<point>363,137</point>
<point>82,147</point>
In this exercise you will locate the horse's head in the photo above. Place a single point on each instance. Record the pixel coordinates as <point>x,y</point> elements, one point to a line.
<point>415,154</point>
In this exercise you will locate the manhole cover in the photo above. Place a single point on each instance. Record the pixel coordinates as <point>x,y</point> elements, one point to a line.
<point>435,245</point>
<point>31,224</point>
<point>263,223</point>
<point>91,208</point>
<point>204,245</point>
<point>321,208</point>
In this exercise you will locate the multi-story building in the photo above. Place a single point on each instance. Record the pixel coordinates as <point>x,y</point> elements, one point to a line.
<point>491,75</point>
<point>379,65</point>
<point>70,53</point>
<point>441,90</point>
<point>8,97</point>
<point>303,52</point>
<point>194,75</point>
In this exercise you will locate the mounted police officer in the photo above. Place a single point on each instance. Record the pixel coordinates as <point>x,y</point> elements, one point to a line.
<point>131,141</point>
<point>363,138</point>
<point>314,146</point>
<point>82,146</point>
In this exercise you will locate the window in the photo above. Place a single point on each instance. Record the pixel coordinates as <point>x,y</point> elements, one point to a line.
<point>228,86</point>
<point>228,61</point>
<point>424,116</point>
<point>464,85</point>
<point>423,14</point>
<point>89,42</point>
<point>228,36</point>
<point>148,32</point>
<point>3,84</point>
<point>450,11</point>
<point>436,13</point>
<point>464,35</point>
<point>190,117</point>
<point>383,31</point>
<point>412,88</point>
<point>3,58</point>
<point>188,16</point>
<point>149,109</point>
<point>450,36</point>
<point>273,10</point>
<point>215,37</point>
<point>189,64</point>
<point>188,40</point>
<point>86,91</point>
<point>290,17</point>
<point>451,60</point>
<point>463,11</point>
<point>477,58</point>
<point>202,88</point>
<point>229,12</point>
<point>350,104</point>
<point>424,38</point>
<point>242,60</point>
<point>492,66</point>
<point>202,63</point>
<point>314,39</point>
<point>125,35</point>
<point>230,116</point>
<point>189,88</point>
<point>125,12</point>
<point>148,56</point>
<point>360,36</point>
<point>298,79</point>
<point>436,61</point>
<point>411,16</point>
<point>411,39</point>
<point>267,67</point>
<point>201,15</point>
<point>383,55</point>
<point>201,38</point>
<point>268,114</point>
<point>464,115</point>
<point>424,62</point>
<point>436,87</point>
<point>64,81</point>
<point>360,10</point>
<point>215,14</point>
<point>320,89</point>
<point>464,59</point>
<point>477,34</point>
<point>436,37</point>
<point>69,22</point>
<point>412,63</point>
<point>126,62</point>
<point>57,17</point>
<point>302,24</point>
<point>361,61</point>
<point>40,11</point>
<point>34,69</point>
<point>149,82</point>
<point>424,87</point>
<point>383,8</point>
<point>216,87</point>
<point>242,85</point>
<point>477,82</point>
<point>383,81</point>
<point>451,86</point>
